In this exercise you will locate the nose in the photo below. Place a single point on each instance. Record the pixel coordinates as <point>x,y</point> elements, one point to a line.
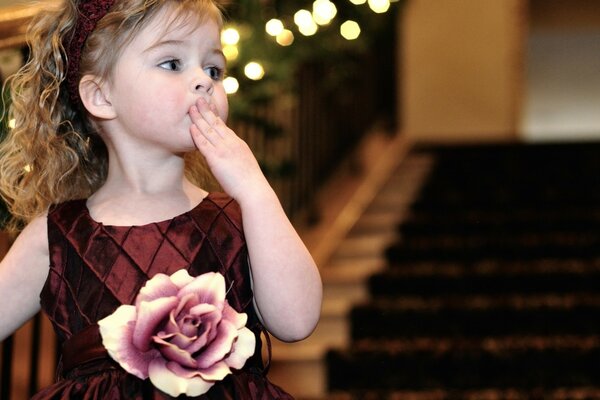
<point>202,83</point>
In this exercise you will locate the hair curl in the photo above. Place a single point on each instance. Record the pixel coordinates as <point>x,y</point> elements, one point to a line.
<point>54,152</point>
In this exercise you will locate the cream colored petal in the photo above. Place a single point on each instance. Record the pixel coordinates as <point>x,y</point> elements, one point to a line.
<point>173,384</point>
<point>117,337</point>
<point>243,349</point>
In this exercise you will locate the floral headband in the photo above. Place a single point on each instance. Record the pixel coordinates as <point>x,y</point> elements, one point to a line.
<point>90,12</point>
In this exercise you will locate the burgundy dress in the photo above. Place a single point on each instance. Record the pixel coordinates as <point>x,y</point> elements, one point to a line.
<point>94,268</point>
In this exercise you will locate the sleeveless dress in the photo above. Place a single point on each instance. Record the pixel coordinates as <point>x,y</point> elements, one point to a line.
<point>95,268</point>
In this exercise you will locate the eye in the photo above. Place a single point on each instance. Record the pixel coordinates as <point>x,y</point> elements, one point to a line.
<point>215,73</point>
<point>171,65</point>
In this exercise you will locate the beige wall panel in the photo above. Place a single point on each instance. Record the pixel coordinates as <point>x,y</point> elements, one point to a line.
<point>461,69</point>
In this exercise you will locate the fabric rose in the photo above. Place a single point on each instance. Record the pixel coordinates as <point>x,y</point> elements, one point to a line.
<point>181,333</point>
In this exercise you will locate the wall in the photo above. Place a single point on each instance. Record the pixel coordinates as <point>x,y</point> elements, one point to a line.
<point>562,93</point>
<point>462,71</point>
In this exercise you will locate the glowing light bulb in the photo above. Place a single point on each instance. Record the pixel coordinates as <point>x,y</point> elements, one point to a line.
<point>230,36</point>
<point>379,6</point>
<point>285,38</point>
<point>231,85</point>
<point>350,30</point>
<point>27,168</point>
<point>306,24</point>
<point>309,30</point>
<point>12,123</point>
<point>254,71</point>
<point>323,11</point>
<point>231,52</point>
<point>358,2</point>
<point>303,18</point>
<point>274,27</point>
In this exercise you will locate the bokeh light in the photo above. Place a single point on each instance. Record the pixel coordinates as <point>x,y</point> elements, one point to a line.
<point>285,38</point>
<point>230,36</point>
<point>231,85</point>
<point>323,11</point>
<point>231,52</point>
<point>379,6</point>
<point>254,71</point>
<point>350,30</point>
<point>274,27</point>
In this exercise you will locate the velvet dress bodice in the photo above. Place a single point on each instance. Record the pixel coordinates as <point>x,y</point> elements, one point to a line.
<point>95,268</point>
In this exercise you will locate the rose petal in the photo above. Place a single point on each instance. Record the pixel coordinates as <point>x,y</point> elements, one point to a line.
<point>243,349</point>
<point>238,319</point>
<point>179,340</point>
<point>159,286</point>
<point>203,308</point>
<point>178,313</point>
<point>215,372</point>
<point>173,353</point>
<point>117,333</point>
<point>181,278</point>
<point>174,385</point>
<point>201,340</point>
<point>218,348</point>
<point>149,315</point>
<point>209,287</point>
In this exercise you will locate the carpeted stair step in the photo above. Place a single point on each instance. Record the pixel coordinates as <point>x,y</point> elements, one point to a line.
<point>514,362</point>
<point>497,222</point>
<point>396,283</point>
<point>497,266</point>
<point>505,247</point>
<point>475,317</point>
<point>539,393</point>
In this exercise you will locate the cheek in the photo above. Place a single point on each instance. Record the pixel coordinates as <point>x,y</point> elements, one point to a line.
<point>222,104</point>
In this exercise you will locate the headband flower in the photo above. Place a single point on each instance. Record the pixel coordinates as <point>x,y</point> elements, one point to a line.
<point>181,333</point>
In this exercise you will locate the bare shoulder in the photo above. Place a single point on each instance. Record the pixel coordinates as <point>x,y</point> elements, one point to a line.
<point>34,237</point>
<point>23,272</point>
<point>29,252</point>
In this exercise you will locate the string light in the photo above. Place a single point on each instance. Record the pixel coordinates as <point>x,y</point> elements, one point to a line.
<point>12,123</point>
<point>231,52</point>
<point>379,6</point>
<point>358,2</point>
<point>303,18</point>
<point>323,11</point>
<point>306,24</point>
<point>254,71</point>
<point>285,38</point>
<point>231,85</point>
<point>350,30</point>
<point>230,36</point>
<point>274,27</point>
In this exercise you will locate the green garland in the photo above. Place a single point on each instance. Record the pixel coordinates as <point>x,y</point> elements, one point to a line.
<point>327,47</point>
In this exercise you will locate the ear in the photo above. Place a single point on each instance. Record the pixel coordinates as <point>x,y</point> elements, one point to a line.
<point>94,94</point>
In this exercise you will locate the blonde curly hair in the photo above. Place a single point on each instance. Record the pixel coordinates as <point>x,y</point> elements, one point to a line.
<point>54,152</point>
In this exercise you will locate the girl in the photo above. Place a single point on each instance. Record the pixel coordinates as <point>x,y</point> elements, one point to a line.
<point>114,95</point>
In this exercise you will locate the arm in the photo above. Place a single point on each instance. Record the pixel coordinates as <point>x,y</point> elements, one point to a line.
<point>286,281</point>
<point>23,272</point>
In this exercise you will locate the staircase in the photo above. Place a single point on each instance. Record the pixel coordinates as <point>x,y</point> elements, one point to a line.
<point>366,202</point>
<point>489,287</point>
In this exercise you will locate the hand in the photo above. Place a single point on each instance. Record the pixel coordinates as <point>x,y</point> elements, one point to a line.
<point>228,157</point>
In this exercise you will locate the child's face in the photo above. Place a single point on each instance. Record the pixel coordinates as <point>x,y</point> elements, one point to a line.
<point>160,75</point>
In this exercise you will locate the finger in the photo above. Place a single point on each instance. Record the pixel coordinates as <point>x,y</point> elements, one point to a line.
<point>207,111</point>
<point>200,140</point>
<point>203,127</point>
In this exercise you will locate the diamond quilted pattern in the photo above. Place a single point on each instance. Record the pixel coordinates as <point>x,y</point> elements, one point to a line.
<point>95,268</point>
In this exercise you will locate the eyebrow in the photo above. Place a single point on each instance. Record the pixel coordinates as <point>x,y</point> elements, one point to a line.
<point>163,43</point>
<point>172,42</point>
